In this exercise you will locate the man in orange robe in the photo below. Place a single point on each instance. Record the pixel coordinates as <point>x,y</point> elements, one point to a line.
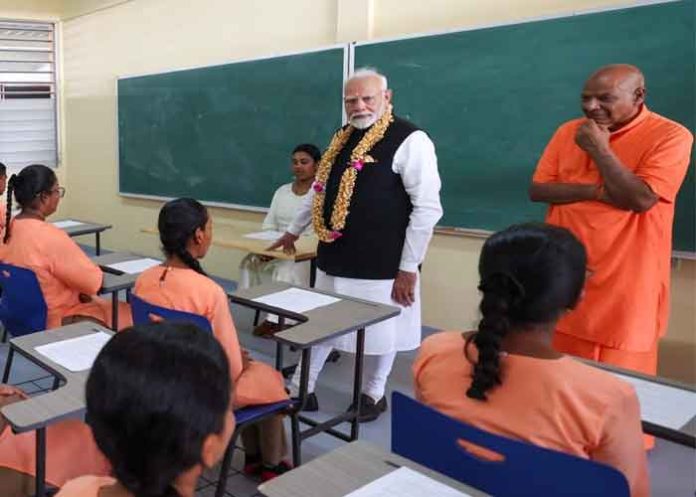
<point>612,178</point>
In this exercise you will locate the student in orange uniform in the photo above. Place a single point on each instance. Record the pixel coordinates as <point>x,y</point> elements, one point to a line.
<point>69,280</point>
<point>3,185</point>
<point>507,378</point>
<point>159,404</point>
<point>611,178</point>
<point>71,452</point>
<point>186,230</point>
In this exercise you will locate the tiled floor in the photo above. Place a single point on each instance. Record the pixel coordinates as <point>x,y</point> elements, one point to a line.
<point>672,467</point>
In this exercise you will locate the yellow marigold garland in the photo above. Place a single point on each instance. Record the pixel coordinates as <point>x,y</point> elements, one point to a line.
<point>358,159</point>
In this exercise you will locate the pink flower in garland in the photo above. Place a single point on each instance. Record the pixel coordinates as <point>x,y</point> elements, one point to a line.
<point>358,165</point>
<point>318,187</point>
<point>335,235</point>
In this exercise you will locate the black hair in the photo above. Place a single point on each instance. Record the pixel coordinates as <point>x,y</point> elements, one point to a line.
<point>529,274</point>
<point>3,169</point>
<point>27,186</point>
<point>154,394</point>
<point>178,221</point>
<point>309,149</point>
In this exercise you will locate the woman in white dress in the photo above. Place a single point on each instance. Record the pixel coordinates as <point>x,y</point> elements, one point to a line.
<point>286,201</point>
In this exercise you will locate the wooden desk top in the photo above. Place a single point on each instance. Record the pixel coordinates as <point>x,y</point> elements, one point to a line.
<point>65,402</point>
<point>231,237</point>
<point>321,323</point>
<point>345,470</point>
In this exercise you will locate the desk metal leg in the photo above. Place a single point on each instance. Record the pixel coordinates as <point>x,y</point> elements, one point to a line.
<point>302,395</point>
<point>312,272</point>
<point>279,347</point>
<point>97,248</point>
<point>8,365</point>
<point>114,311</point>
<point>357,382</point>
<point>41,462</point>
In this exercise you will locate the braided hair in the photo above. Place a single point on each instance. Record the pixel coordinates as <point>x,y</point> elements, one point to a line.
<point>26,187</point>
<point>530,274</point>
<point>178,221</point>
<point>154,395</point>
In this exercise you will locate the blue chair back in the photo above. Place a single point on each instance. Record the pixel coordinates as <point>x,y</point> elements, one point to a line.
<point>433,439</point>
<point>22,305</point>
<point>142,312</point>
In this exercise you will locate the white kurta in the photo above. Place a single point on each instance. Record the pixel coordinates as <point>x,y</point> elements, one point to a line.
<point>415,161</point>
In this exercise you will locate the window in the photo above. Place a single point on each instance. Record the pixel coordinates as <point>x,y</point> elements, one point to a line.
<point>28,96</point>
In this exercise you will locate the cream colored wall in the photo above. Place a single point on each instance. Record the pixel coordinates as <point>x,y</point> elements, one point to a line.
<point>145,36</point>
<point>30,9</point>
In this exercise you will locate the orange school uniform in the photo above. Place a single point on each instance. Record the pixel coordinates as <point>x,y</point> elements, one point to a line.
<point>70,452</point>
<point>186,290</point>
<point>558,404</point>
<point>626,302</point>
<point>64,272</point>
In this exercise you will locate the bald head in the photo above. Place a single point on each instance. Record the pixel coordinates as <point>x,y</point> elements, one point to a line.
<point>613,95</point>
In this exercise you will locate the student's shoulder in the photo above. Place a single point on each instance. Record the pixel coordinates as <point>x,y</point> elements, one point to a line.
<point>602,382</point>
<point>443,342</point>
<point>668,128</point>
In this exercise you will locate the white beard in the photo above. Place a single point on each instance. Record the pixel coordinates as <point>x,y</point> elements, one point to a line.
<point>365,121</point>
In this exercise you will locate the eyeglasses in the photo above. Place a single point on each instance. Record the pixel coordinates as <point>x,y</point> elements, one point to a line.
<point>60,191</point>
<point>367,100</point>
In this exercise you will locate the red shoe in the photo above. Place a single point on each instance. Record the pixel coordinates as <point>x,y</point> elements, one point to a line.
<point>252,466</point>
<point>270,472</point>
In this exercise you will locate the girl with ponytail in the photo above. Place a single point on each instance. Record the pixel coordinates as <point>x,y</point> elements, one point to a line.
<point>506,378</point>
<point>180,283</point>
<point>69,280</point>
<point>159,405</point>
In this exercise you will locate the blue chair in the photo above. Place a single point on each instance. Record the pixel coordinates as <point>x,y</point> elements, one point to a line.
<point>143,312</point>
<point>22,306</point>
<point>434,440</point>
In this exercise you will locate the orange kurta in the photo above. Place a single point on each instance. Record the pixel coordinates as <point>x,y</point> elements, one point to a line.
<point>186,290</point>
<point>559,404</point>
<point>626,304</point>
<point>64,272</point>
<point>70,452</point>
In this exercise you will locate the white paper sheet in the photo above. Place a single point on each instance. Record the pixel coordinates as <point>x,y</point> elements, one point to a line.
<point>68,223</point>
<point>405,482</point>
<point>75,354</point>
<point>135,266</point>
<point>296,300</point>
<point>663,405</point>
<point>269,235</point>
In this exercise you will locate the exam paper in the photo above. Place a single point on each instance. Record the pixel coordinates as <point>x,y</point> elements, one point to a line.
<point>661,404</point>
<point>270,235</point>
<point>296,300</point>
<point>75,354</point>
<point>405,482</point>
<point>68,223</point>
<point>135,266</point>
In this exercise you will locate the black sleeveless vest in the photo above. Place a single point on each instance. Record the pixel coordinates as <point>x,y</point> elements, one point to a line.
<point>375,230</point>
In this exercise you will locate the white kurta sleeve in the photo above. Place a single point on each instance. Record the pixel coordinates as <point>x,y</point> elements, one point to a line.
<point>416,162</point>
<point>303,217</point>
<point>270,222</point>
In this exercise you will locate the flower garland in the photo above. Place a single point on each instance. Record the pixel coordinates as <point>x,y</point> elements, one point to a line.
<point>358,159</point>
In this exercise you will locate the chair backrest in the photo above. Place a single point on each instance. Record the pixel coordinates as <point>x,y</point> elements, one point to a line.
<point>144,312</point>
<point>437,441</point>
<point>22,305</point>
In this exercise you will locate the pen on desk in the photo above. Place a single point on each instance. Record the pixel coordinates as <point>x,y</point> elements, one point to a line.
<point>392,464</point>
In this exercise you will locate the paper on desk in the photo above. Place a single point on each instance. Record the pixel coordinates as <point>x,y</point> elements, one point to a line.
<point>75,354</point>
<point>405,482</point>
<point>296,300</point>
<point>135,266</point>
<point>269,235</point>
<point>661,404</point>
<point>68,223</point>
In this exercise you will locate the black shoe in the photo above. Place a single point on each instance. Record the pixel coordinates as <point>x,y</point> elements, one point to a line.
<point>312,404</point>
<point>369,409</point>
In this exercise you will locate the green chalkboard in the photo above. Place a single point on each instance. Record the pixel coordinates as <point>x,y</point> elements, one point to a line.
<point>492,98</point>
<point>225,133</point>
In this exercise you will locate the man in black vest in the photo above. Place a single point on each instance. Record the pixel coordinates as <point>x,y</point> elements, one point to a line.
<point>373,205</point>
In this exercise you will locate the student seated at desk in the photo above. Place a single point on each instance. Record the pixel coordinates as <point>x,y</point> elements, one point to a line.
<point>69,280</point>
<point>506,377</point>
<point>159,404</point>
<point>186,230</point>
<point>3,185</point>
<point>70,452</point>
<point>287,199</point>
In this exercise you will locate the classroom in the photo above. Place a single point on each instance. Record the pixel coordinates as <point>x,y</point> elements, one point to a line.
<point>107,51</point>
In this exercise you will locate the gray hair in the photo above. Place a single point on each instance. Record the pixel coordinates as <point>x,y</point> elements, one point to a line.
<point>367,72</point>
